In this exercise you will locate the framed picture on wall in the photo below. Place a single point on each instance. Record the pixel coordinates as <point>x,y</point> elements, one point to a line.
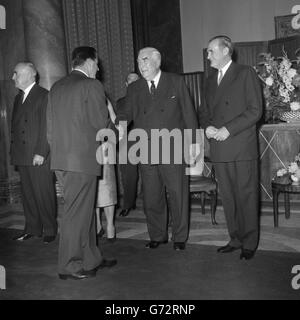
<point>283,27</point>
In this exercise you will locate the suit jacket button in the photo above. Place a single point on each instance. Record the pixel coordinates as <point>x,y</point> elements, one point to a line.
<point>23,142</point>
<point>23,131</point>
<point>226,103</point>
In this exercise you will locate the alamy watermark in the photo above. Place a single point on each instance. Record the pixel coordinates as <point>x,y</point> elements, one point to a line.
<point>151,146</point>
<point>296,279</point>
<point>2,17</point>
<point>2,278</point>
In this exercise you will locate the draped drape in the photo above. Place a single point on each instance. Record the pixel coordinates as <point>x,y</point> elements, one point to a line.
<point>105,25</point>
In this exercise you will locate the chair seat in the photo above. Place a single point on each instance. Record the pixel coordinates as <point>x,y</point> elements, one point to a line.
<point>202,184</point>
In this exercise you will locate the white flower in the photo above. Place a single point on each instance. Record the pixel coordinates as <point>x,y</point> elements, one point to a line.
<point>295,106</point>
<point>293,167</point>
<point>291,73</point>
<point>281,172</point>
<point>269,81</point>
<point>294,178</point>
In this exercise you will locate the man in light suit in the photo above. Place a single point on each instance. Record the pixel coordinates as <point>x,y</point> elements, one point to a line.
<point>76,111</point>
<point>230,110</point>
<point>160,100</point>
<point>30,153</point>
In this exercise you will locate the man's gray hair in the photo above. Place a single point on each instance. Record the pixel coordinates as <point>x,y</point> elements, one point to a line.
<point>224,41</point>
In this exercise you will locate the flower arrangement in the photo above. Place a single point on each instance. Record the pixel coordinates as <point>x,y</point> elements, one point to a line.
<point>281,79</point>
<point>291,173</point>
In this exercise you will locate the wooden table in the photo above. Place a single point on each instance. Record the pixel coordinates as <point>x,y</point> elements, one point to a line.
<point>286,189</point>
<point>278,146</point>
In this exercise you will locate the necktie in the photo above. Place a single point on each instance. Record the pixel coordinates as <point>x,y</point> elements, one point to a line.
<point>22,94</point>
<point>152,88</point>
<point>220,76</point>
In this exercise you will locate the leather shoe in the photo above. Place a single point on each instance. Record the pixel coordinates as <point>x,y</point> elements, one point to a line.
<point>179,246</point>
<point>23,237</point>
<point>100,234</point>
<point>80,275</point>
<point>124,213</point>
<point>48,239</point>
<point>155,244</point>
<point>247,254</point>
<point>106,264</point>
<point>111,240</point>
<point>228,248</point>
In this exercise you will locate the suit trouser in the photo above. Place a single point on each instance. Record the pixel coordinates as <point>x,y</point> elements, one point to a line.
<point>156,179</point>
<point>238,183</point>
<point>77,241</point>
<point>39,199</point>
<point>129,175</point>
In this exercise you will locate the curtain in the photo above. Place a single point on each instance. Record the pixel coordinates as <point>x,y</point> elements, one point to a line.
<point>105,25</point>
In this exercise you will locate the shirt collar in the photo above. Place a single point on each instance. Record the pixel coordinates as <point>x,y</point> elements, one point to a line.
<point>155,79</point>
<point>76,69</point>
<point>27,90</point>
<point>226,67</point>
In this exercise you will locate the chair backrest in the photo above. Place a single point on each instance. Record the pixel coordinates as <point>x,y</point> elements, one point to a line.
<point>194,83</point>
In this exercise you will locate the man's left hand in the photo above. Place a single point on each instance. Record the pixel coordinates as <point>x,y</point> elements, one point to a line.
<point>37,160</point>
<point>222,134</point>
<point>194,152</point>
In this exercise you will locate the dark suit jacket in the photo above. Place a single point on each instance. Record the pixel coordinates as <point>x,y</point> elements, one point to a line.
<point>236,104</point>
<point>28,129</point>
<point>76,111</point>
<point>171,109</point>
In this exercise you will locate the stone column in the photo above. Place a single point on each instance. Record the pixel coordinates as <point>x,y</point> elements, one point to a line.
<point>45,39</point>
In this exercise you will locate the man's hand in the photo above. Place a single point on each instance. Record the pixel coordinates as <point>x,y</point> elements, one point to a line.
<point>194,152</point>
<point>121,131</point>
<point>221,134</point>
<point>210,132</point>
<point>38,160</point>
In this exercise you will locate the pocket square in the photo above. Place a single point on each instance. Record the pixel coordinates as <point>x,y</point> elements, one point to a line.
<point>173,97</point>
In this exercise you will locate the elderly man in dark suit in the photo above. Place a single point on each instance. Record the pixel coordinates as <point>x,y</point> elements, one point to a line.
<point>30,153</point>
<point>76,112</point>
<point>160,101</point>
<point>230,109</point>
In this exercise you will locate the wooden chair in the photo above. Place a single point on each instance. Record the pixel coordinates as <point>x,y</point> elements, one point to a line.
<point>206,186</point>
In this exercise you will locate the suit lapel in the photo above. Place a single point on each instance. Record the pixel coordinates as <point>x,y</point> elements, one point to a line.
<point>23,107</point>
<point>162,87</point>
<point>225,83</point>
<point>145,96</point>
<point>17,107</point>
<point>213,86</point>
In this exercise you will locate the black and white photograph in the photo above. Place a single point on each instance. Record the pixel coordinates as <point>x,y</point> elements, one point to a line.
<point>150,153</point>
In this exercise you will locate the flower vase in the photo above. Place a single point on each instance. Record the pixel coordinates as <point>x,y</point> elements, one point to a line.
<point>285,179</point>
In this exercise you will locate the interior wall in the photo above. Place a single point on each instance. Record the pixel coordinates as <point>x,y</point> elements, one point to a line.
<point>241,20</point>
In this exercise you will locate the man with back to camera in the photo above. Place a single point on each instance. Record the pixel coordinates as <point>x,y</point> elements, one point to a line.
<point>30,153</point>
<point>229,112</point>
<point>76,112</point>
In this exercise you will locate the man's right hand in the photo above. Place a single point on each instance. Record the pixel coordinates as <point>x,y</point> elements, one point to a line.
<point>210,132</point>
<point>121,131</point>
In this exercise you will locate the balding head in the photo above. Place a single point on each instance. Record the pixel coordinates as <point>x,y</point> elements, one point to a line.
<point>149,61</point>
<point>24,75</point>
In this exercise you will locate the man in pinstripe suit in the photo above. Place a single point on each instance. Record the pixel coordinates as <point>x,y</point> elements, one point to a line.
<point>29,152</point>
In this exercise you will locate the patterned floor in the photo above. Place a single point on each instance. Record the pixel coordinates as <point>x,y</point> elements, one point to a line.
<point>284,238</point>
